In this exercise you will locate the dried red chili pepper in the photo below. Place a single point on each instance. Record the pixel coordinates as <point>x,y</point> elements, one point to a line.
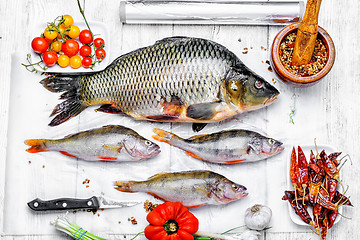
<point>333,157</point>
<point>299,208</point>
<point>341,199</point>
<point>329,166</point>
<point>303,169</point>
<point>171,221</point>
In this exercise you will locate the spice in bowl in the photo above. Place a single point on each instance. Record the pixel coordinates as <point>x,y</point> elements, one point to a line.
<point>317,62</point>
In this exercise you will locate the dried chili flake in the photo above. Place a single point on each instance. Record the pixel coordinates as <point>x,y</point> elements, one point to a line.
<point>317,62</point>
<point>149,206</point>
<point>132,220</point>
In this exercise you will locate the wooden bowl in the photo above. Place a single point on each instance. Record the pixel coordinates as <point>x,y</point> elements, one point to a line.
<point>292,79</point>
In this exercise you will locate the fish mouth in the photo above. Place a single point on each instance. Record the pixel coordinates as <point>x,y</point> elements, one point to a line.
<point>271,99</point>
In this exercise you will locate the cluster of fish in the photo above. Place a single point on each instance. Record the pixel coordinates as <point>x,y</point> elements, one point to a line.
<point>178,79</point>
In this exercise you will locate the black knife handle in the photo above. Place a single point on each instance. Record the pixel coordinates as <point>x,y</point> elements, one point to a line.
<point>64,204</point>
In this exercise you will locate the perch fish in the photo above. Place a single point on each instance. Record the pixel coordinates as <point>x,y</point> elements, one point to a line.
<point>108,143</point>
<point>229,147</point>
<point>191,188</point>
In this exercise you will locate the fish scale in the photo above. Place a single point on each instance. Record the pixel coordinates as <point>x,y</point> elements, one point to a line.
<point>177,79</point>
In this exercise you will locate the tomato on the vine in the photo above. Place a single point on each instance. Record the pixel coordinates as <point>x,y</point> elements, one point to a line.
<point>85,51</point>
<point>99,43</point>
<point>74,31</point>
<point>86,62</point>
<point>70,47</point>
<point>66,20</point>
<point>63,60</point>
<point>100,53</point>
<point>75,61</point>
<point>39,44</point>
<point>62,31</point>
<point>56,46</point>
<point>50,58</point>
<point>50,33</point>
<point>85,37</point>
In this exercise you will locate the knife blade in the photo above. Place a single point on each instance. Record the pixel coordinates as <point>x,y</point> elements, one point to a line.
<point>93,203</point>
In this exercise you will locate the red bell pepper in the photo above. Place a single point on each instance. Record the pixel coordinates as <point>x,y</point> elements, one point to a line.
<point>171,221</point>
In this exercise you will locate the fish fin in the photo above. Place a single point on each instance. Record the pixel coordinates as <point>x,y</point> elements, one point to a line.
<point>67,154</point>
<point>202,111</point>
<point>157,175</point>
<point>162,117</point>
<point>193,155</point>
<point>124,186</point>
<point>172,39</point>
<point>113,148</point>
<point>165,136</point>
<point>234,161</point>
<point>195,206</point>
<point>156,196</point>
<point>107,159</point>
<point>70,107</point>
<point>36,145</point>
<point>197,127</point>
<point>196,137</point>
<point>108,108</point>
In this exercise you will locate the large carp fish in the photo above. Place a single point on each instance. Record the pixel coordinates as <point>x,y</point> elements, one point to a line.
<point>178,79</point>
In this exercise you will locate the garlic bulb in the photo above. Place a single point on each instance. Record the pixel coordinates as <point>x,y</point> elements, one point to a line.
<point>258,217</point>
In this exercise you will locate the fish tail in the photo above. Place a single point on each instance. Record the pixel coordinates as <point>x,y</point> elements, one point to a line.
<point>36,145</point>
<point>72,105</point>
<point>125,186</point>
<point>166,137</point>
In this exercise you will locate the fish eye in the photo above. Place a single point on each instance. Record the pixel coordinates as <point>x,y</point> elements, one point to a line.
<point>271,141</point>
<point>258,84</point>
<point>235,187</point>
<point>233,86</point>
<point>147,143</point>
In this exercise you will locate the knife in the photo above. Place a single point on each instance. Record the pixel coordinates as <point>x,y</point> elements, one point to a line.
<point>93,203</point>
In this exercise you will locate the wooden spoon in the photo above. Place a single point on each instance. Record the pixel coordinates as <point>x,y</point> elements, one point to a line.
<point>306,34</point>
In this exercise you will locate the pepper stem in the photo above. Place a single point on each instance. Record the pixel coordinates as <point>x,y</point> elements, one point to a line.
<point>171,226</point>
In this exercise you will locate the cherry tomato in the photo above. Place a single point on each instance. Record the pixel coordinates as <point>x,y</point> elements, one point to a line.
<point>86,62</point>
<point>99,43</point>
<point>100,53</point>
<point>74,31</point>
<point>85,51</point>
<point>39,45</point>
<point>67,20</point>
<point>63,61</point>
<point>75,61</point>
<point>56,46</point>
<point>85,37</point>
<point>50,58</point>
<point>62,30</point>
<point>50,33</point>
<point>70,47</point>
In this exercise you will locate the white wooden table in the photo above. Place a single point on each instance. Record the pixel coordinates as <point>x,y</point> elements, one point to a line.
<point>328,111</point>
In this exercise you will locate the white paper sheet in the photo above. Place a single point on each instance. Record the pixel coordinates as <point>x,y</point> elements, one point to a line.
<point>51,175</point>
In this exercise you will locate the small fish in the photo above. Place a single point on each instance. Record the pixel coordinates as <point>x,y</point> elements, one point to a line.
<point>109,143</point>
<point>178,79</point>
<point>229,147</point>
<point>191,188</point>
